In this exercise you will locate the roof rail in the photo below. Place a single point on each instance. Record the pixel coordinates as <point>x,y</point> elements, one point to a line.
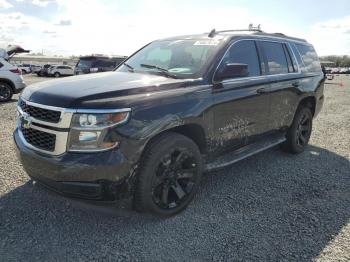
<point>251,28</point>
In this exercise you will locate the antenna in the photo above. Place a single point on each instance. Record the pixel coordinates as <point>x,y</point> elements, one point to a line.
<point>212,33</point>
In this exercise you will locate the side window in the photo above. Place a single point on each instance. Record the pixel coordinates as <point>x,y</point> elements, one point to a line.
<point>291,65</point>
<point>243,52</point>
<point>297,55</point>
<point>1,65</point>
<point>309,57</point>
<point>276,58</point>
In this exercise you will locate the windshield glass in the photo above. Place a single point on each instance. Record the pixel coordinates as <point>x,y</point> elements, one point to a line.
<point>84,63</point>
<point>183,58</point>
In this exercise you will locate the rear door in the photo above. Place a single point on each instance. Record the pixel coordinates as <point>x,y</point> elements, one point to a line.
<point>283,76</point>
<point>240,108</point>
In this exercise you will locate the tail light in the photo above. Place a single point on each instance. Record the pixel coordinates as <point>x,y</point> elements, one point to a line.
<point>16,71</point>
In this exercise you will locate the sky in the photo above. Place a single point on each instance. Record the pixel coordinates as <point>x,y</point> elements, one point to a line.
<point>120,27</point>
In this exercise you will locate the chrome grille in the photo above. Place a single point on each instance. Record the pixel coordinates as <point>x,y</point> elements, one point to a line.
<point>39,139</point>
<point>40,113</point>
<point>38,130</point>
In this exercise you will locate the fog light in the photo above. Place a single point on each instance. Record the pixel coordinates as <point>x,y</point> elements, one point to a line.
<point>88,136</point>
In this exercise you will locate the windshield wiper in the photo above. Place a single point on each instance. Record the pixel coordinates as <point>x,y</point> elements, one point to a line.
<point>129,66</point>
<point>163,70</point>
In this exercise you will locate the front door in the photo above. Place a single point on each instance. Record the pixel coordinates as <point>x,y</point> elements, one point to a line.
<point>241,106</point>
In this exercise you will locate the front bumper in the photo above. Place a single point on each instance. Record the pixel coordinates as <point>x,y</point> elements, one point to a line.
<point>99,176</point>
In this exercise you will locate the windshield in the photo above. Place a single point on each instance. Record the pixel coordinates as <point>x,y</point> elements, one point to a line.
<point>183,58</point>
<point>84,63</point>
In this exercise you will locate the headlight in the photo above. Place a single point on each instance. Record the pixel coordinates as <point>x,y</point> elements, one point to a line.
<point>92,131</point>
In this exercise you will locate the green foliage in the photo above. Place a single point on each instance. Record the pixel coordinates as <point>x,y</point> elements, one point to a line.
<point>340,61</point>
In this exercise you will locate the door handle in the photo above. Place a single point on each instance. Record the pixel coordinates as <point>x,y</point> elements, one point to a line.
<point>261,91</point>
<point>295,84</point>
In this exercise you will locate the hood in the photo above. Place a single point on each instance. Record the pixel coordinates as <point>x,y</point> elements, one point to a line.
<point>76,91</point>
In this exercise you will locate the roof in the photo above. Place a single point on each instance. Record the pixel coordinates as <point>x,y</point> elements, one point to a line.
<point>229,34</point>
<point>101,57</point>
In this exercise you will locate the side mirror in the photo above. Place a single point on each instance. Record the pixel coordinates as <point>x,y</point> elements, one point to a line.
<point>232,70</point>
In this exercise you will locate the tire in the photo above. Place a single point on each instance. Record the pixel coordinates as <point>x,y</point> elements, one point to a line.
<point>6,92</point>
<point>168,176</point>
<point>299,133</point>
<point>57,74</point>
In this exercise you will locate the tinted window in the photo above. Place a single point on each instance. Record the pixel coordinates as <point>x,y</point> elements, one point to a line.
<point>297,55</point>
<point>291,65</point>
<point>104,63</point>
<point>309,57</point>
<point>243,52</point>
<point>275,56</point>
<point>85,63</point>
<point>118,61</point>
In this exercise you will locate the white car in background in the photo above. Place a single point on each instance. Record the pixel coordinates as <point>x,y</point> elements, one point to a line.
<point>60,70</point>
<point>25,68</point>
<point>35,68</point>
<point>11,81</point>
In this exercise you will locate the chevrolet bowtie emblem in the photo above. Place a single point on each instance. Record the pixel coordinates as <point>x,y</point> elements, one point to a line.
<point>26,121</point>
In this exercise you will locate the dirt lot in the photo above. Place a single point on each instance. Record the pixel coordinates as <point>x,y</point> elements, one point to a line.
<point>270,207</point>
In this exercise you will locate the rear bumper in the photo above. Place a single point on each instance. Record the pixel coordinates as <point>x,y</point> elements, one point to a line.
<point>319,105</point>
<point>19,86</point>
<point>98,176</point>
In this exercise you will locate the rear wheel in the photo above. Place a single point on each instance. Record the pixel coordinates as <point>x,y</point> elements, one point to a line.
<point>299,133</point>
<point>6,92</point>
<point>169,175</point>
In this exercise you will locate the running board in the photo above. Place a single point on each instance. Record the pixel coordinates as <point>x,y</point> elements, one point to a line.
<point>242,153</point>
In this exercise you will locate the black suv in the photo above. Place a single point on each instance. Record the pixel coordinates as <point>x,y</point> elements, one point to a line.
<point>174,109</point>
<point>95,64</point>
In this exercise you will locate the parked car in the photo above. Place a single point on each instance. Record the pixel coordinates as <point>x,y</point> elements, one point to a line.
<point>25,68</point>
<point>35,68</point>
<point>175,108</point>
<point>11,81</point>
<point>60,70</point>
<point>94,64</point>
<point>44,70</point>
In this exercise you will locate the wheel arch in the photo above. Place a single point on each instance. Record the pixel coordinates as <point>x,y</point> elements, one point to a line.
<point>9,82</point>
<point>195,132</point>
<point>309,101</point>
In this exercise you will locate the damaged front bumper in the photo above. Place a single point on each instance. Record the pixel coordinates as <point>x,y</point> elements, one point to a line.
<point>96,176</point>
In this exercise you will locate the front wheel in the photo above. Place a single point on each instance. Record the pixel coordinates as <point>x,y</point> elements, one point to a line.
<point>6,92</point>
<point>169,175</point>
<point>299,133</point>
<point>57,74</point>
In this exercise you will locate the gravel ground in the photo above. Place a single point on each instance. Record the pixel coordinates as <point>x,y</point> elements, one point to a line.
<point>270,207</point>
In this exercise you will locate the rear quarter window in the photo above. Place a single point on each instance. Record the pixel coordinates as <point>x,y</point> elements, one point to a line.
<point>309,58</point>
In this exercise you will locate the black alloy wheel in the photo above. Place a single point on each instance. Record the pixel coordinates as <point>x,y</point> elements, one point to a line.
<point>303,131</point>
<point>174,179</point>
<point>168,176</point>
<point>5,92</point>
<point>299,133</point>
